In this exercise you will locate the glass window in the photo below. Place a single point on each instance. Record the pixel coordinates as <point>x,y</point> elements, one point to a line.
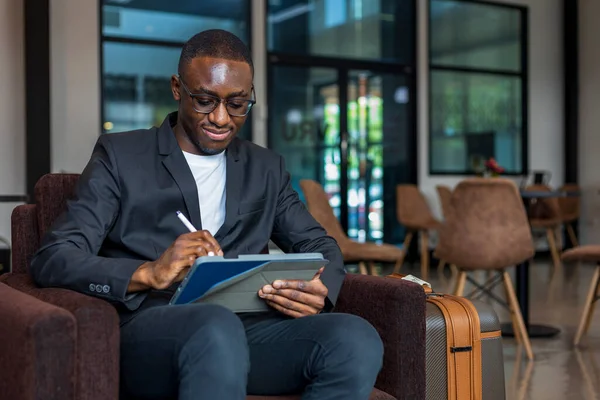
<point>475,116</point>
<point>475,35</point>
<point>173,21</point>
<point>359,29</point>
<point>141,44</point>
<point>476,87</point>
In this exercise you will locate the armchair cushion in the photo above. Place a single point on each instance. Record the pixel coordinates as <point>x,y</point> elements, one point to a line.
<point>98,330</point>
<point>396,309</point>
<point>37,348</point>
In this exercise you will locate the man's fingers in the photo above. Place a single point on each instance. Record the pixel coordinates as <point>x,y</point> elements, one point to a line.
<point>318,274</point>
<point>206,237</point>
<point>201,247</point>
<point>283,310</point>
<point>314,301</point>
<point>195,249</point>
<point>313,287</point>
<point>290,305</point>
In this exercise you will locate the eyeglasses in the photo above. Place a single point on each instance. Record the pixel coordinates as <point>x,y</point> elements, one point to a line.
<point>206,103</point>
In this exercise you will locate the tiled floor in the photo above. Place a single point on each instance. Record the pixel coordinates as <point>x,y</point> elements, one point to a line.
<point>559,371</point>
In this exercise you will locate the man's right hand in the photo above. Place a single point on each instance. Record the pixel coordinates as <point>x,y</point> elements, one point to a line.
<point>174,263</point>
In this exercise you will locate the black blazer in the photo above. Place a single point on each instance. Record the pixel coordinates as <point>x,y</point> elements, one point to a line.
<point>124,214</point>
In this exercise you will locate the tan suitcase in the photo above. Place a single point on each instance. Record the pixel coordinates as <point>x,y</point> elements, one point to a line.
<point>464,348</point>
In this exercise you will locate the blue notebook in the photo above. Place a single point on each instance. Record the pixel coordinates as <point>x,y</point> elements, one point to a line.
<point>234,282</point>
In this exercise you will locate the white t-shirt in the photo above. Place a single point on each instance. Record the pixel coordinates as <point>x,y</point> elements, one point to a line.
<point>209,173</point>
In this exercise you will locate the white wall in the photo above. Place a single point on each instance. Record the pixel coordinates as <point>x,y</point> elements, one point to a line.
<point>75,88</point>
<point>589,119</point>
<point>12,108</point>
<point>545,95</point>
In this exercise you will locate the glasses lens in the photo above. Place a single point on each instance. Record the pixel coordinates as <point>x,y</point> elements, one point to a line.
<point>205,104</point>
<point>239,108</point>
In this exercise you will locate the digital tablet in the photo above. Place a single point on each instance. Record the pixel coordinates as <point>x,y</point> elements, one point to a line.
<point>234,282</point>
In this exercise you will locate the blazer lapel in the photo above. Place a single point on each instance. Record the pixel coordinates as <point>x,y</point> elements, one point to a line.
<point>233,187</point>
<point>179,169</point>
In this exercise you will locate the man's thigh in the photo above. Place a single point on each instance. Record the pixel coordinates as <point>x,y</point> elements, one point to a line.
<point>287,354</point>
<point>153,341</point>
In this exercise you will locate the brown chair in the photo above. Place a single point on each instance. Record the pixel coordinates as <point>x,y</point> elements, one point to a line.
<point>48,358</point>
<point>413,212</point>
<point>361,253</point>
<point>445,195</point>
<point>570,211</point>
<point>589,253</point>
<point>487,230</point>
<point>544,213</point>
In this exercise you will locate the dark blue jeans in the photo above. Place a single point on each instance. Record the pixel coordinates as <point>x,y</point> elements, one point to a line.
<point>201,351</point>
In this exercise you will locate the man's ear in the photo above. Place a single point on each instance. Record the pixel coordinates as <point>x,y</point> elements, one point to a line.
<point>175,88</point>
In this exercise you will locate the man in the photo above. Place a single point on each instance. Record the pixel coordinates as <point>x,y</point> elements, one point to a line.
<point>120,240</point>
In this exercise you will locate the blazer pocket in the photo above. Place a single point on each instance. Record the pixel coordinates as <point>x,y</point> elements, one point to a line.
<point>251,206</point>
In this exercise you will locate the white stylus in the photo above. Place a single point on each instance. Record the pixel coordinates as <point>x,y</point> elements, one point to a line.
<point>190,227</point>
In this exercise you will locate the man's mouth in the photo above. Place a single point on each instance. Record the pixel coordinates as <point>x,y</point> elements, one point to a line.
<point>217,135</point>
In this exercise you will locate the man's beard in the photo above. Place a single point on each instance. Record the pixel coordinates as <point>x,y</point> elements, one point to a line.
<point>205,151</point>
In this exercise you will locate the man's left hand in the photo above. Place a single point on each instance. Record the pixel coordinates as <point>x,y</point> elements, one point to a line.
<point>296,298</point>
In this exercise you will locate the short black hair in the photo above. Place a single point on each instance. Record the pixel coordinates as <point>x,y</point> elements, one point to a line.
<point>215,43</point>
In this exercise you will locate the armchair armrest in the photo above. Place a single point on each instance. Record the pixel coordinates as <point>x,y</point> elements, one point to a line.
<point>37,348</point>
<point>97,332</point>
<point>396,309</point>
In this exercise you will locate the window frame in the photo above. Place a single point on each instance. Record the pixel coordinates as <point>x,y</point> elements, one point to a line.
<point>157,43</point>
<point>523,75</point>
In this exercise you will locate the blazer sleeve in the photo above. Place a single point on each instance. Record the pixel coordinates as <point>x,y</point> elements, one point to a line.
<point>296,231</point>
<point>68,256</point>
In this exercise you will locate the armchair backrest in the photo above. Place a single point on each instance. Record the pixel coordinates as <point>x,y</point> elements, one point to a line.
<point>30,222</point>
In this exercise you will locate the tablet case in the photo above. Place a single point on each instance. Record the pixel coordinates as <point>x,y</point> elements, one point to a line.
<point>234,282</point>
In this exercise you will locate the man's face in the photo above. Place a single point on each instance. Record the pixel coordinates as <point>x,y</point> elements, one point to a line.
<point>210,79</point>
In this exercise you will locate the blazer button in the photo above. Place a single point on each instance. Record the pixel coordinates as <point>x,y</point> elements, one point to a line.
<point>106,288</point>
<point>99,288</point>
<point>92,287</point>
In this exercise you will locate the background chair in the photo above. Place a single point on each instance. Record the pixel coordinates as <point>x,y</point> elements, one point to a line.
<point>544,213</point>
<point>590,253</point>
<point>445,195</point>
<point>413,212</point>
<point>487,230</point>
<point>570,210</point>
<point>395,308</point>
<point>319,207</point>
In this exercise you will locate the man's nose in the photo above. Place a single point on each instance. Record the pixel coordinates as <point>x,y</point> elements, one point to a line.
<point>219,116</point>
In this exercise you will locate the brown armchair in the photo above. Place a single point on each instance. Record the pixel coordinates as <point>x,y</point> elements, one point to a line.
<point>87,356</point>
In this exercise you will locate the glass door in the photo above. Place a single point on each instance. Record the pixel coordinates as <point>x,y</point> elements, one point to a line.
<point>354,141</point>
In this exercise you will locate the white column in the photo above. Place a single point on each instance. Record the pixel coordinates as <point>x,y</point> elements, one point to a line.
<point>259,58</point>
<point>75,83</point>
<point>12,108</point>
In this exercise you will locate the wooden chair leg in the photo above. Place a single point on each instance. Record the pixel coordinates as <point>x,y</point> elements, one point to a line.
<point>592,309</point>
<point>454,269</point>
<point>372,269</point>
<point>553,248</point>
<point>362,268</point>
<point>460,283</point>
<point>424,255</point>
<point>572,235</point>
<point>513,320</point>
<point>441,266</point>
<point>512,298</point>
<point>407,239</point>
<point>588,307</point>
